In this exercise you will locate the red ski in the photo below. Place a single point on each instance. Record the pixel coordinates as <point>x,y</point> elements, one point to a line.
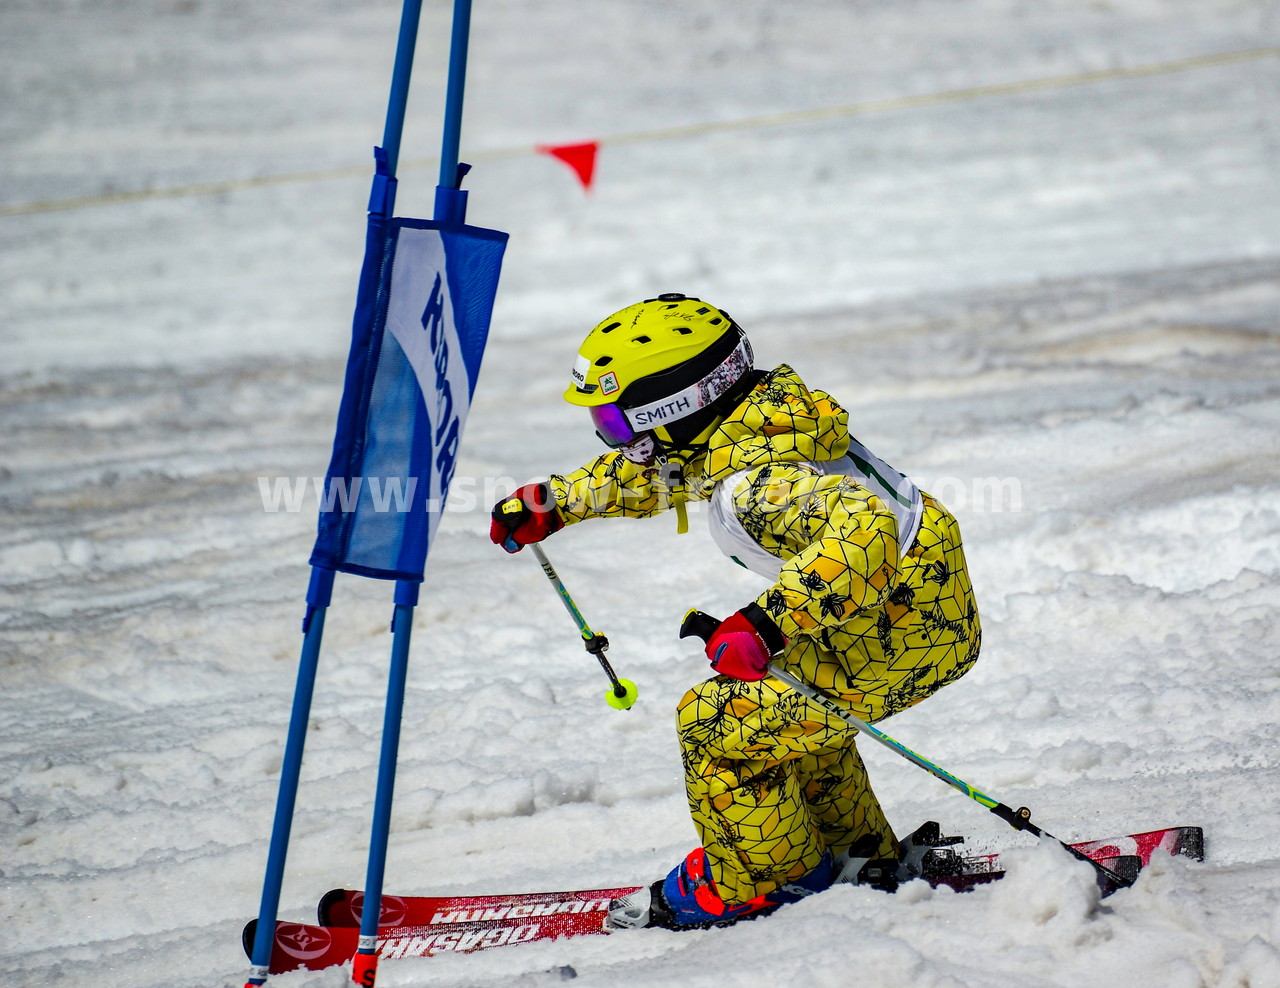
<point>419,926</point>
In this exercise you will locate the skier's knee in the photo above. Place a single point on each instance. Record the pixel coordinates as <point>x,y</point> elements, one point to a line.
<point>704,709</point>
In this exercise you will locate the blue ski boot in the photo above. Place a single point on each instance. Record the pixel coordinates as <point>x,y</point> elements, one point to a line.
<point>687,898</point>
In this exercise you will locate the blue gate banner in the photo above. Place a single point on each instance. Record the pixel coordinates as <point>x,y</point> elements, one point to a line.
<point>421,322</point>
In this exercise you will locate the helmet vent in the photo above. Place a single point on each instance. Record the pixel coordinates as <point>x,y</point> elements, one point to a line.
<point>610,328</point>
<point>642,339</point>
<point>683,330</point>
<point>604,361</point>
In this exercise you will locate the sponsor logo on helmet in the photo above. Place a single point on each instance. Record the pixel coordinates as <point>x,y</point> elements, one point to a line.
<point>698,395</point>
<point>608,383</point>
<point>677,408</point>
<point>580,368</point>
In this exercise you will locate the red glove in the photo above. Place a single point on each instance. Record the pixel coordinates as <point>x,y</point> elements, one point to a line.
<point>739,646</point>
<point>527,516</point>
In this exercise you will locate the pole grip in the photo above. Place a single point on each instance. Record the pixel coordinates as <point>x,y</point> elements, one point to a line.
<point>699,624</point>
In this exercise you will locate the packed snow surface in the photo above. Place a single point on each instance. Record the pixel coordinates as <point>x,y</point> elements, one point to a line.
<point>1058,309</point>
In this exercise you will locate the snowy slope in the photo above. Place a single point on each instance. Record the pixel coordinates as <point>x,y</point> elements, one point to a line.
<point>1060,311</point>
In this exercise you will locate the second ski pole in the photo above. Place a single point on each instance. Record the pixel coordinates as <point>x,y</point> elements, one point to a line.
<point>701,625</point>
<point>622,693</point>
<point>1020,819</point>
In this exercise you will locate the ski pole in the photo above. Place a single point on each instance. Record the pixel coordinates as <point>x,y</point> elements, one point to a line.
<point>622,692</point>
<point>701,625</point>
<point>1019,819</point>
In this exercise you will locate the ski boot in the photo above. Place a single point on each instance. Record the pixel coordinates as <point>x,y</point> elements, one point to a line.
<point>687,898</point>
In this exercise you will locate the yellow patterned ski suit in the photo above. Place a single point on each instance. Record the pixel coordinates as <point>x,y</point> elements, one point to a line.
<point>772,780</point>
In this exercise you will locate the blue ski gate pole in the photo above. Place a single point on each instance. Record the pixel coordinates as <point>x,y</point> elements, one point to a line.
<point>353,541</point>
<point>365,962</point>
<point>382,199</point>
<point>451,201</point>
<point>319,594</point>
<point>450,207</point>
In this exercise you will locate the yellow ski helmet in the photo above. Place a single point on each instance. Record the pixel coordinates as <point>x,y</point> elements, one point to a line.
<point>658,362</point>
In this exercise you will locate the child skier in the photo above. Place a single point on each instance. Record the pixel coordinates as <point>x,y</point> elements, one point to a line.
<point>870,600</point>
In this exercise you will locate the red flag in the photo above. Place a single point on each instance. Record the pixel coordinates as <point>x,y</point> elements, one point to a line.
<point>580,157</point>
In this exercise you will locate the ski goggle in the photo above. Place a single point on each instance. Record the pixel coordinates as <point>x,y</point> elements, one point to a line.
<point>612,425</point>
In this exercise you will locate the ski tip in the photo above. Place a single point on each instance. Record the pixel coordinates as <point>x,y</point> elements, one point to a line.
<point>1121,872</point>
<point>1190,843</point>
<point>248,936</point>
<point>327,901</point>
